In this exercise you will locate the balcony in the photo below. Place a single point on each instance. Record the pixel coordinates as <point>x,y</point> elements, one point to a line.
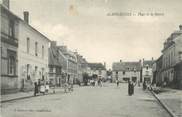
<point>9,39</point>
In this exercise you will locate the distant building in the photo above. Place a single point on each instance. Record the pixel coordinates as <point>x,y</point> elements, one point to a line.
<point>178,66</point>
<point>56,65</point>
<point>157,69</point>
<point>147,74</point>
<point>178,75</point>
<point>172,53</point>
<point>82,66</point>
<point>71,63</point>
<point>32,55</point>
<point>9,49</point>
<point>98,69</point>
<point>124,71</point>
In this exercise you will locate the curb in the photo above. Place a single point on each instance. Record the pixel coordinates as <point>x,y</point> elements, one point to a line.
<point>26,97</point>
<point>172,114</point>
<point>16,99</point>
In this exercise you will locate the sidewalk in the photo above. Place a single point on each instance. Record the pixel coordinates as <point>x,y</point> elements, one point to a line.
<point>172,99</point>
<point>23,95</point>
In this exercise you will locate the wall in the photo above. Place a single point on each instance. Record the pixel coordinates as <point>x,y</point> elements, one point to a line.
<point>147,73</point>
<point>127,74</point>
<point>29,57</point>
<point>9,45</point>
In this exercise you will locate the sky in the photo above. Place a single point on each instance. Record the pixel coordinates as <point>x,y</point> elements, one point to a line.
<point>94,29</point>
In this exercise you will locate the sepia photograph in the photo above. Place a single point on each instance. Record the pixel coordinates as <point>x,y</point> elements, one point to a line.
<point>91,58</point>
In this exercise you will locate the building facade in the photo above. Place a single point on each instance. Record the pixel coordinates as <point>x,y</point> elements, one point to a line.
<point>147,73</point>
<point>32,55</point>
<point>9,50</point>
<point>178,75</point>
<point>171,56</point>
<point>157,69</point>
<point>55,65</point>
<point>124,71</point>
<point>81,67</point>
<point>71,64</point>
<point>97,69</point>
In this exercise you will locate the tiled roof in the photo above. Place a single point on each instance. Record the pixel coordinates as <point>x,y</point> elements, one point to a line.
<point>126,66</point>
<point>54,57</point>
<point>148,62</point>
<point>96,66</point>
<point>17,17</point>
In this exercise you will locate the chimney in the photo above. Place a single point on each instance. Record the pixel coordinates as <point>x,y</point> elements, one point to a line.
<point>152,58</point>
<point>26,16</point>
<point>6,3</point>
<point>53,43</point>
<point>180,27</point>
<point>140,61</point>
<point>105,64</point>
<point>120,61</point>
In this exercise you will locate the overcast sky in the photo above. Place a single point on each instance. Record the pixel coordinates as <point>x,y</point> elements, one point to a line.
<point>84,25</point>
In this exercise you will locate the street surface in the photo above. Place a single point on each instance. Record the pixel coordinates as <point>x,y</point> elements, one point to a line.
<point>173,99</point>
<point>106,101</point>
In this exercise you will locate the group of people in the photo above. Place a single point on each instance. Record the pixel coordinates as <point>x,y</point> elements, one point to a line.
<point>132,84</point>
<point>96,82</point>
<point>68,87</point>
<point>41,87</point>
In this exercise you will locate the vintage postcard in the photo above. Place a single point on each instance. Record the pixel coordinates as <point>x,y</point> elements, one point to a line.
<point>91,58</point>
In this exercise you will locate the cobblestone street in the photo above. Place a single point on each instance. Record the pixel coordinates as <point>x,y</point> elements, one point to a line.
<point>106,101</point>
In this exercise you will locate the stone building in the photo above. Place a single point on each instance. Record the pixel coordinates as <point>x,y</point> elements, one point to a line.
<point>124,71</point>
<point>147,73</point>
<point>178,66</point>
<point>71,63</point>
<point>171,56</point>
<point>157,69</point>
<point>32,55</point>
<point>97,69</point>
<point>56,62</point>
<point>9,48</point>
<point>82,66</point>
<point>178,75</point>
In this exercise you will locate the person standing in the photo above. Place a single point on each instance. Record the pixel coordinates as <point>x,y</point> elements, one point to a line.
<point>117,82</point>
<point>129,88</point>
<point>133,87</point>
<point>144,85</point>
<point>138,83</point>
<point>47,87</point>
<point>36,89</point>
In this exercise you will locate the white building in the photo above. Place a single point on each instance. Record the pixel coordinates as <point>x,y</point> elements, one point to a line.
<point>147,73</point>
<point>97,69</point>
<point>32,54</point>
<point>124,71</point>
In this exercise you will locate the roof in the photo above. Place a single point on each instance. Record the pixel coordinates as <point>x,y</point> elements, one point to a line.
<point>96,66</point>
<point>126,66</point>
<point>148,63</point>
<point>80,59</point>
<point>6,9</point>
<point>67,53</point>
<point>178,65</point>
<point>170,40</point>
<point>9,12</point>
<point>54,57</point>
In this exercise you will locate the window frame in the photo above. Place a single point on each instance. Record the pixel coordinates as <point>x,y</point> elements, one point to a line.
<point>11,65</point>
<point>28,45</point>
<point>36,48</point>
